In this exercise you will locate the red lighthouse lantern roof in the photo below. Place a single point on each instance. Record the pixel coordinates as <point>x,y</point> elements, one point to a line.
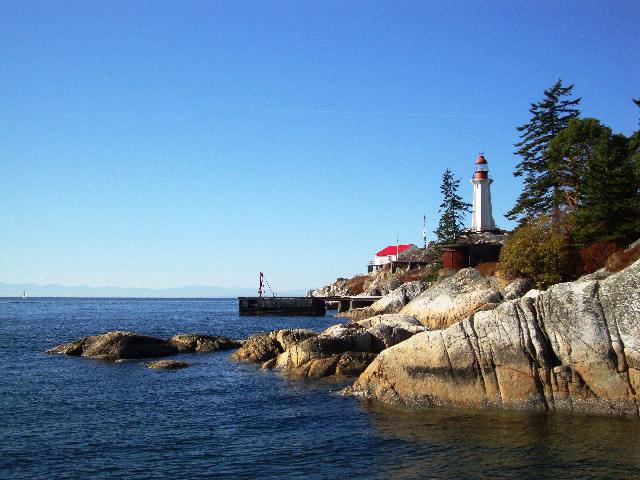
<point>481,159</point>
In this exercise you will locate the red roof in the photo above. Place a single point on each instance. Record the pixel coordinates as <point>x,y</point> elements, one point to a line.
<point>393,249</point>
<point>481,159</point>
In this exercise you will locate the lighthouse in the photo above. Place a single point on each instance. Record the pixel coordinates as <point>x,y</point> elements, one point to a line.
<point>481,216</point>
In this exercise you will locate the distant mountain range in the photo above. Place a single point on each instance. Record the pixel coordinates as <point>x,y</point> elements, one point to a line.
<point>53,290</point>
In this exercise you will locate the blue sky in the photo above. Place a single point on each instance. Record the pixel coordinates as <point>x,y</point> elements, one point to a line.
<point>161,143</point>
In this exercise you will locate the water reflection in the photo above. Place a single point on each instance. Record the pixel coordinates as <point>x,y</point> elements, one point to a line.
<point>502,443</point>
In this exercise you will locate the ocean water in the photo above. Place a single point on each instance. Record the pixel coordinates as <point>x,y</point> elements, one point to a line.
<point>65,417</point>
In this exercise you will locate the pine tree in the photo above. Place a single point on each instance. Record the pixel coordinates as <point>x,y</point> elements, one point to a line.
<point>609,205</point>
<point>549,116</point>
<point>452,209</point>
<point>634,146</point>
<point>567,157</point>
<point>634,152</point>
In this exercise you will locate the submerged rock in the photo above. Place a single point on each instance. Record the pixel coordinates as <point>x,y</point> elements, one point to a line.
<point>574,347</point>
<point>116,345</point>
<point>167,365</point>
<point>198,343</point>
<point>453,299</point>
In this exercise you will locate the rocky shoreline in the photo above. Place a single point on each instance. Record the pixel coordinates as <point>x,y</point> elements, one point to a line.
<point>467,341</point>
<point>574,347</point>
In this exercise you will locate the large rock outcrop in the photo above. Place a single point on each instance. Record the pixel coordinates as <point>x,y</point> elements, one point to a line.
<point>454,299</point>
<point>390,303</point>
<point>344,349</point>
<point>199,343</point>
<point>262,347</point>
<point>347,349</point>
<point>118,345</point>
<point>380,331</point>
<point>338,288</point>
<point>516,288</point>
<point>574,347</point>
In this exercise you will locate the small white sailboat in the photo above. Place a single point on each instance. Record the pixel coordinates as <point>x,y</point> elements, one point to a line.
<point>24,294</point>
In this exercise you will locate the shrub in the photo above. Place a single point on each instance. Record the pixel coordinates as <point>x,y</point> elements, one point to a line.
<point>430,273</point>
<point>594,256</point>
<point>411,275</point>
<point>538,250</point>
<point>355,285</point>
<point>487,269</point>
<point>622,259</point>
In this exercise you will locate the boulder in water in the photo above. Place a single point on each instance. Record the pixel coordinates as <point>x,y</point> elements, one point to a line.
<point>262,347</point>
<point>198,343</point>
<point>347,349</point>
<point>116,345</point>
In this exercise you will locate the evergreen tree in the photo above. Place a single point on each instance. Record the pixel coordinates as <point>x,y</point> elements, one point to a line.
<point>452,209</point>
<point>567,156</point>
<point>634,152</point>
<point>634,146</point>
<point>549,116</point>
<point>609,204</point>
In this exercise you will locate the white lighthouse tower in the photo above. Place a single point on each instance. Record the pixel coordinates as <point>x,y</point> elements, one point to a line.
<point>481,216</point>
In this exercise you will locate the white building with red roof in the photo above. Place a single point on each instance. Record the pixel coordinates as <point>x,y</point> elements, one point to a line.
<point>388,254</point>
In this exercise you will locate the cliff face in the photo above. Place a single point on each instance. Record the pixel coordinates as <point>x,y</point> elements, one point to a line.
<point>574,347</point>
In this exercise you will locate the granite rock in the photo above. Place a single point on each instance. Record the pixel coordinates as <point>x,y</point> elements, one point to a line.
<point>166,365</point>
<point>574,347</point>
<point>198,343</point>
<point>116,345</point>
<point>453,299</point>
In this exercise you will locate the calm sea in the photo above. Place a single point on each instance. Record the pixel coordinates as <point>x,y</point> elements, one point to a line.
<point>63,417</point>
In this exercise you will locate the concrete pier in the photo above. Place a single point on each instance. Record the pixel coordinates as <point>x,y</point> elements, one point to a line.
<point>348,302</point>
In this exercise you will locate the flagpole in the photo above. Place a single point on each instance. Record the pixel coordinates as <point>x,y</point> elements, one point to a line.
<point>424,231</point>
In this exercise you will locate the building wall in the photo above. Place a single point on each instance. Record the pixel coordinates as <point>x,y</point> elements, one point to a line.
<point>482,216</point>
<point>383,260</point>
